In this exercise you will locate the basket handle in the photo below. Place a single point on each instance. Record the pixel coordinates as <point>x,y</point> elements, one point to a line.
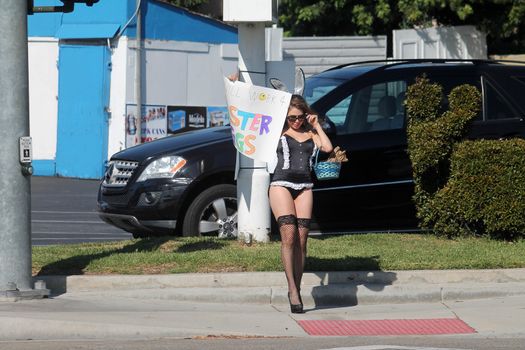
<point>316,155</point>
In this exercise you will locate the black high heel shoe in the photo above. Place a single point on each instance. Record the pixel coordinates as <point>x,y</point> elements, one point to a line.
<point>295,308</point>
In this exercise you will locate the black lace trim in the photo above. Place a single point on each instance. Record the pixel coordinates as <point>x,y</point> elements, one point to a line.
<point>303,223</point>
<point>287,220</point>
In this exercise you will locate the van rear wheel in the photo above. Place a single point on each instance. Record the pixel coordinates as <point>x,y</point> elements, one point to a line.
<point>213,213</point>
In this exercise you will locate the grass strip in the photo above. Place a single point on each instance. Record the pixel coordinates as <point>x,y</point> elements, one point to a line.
<point>362,252</point>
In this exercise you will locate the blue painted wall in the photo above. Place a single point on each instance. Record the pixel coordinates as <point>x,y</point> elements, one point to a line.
<point>105,11</point>
<point>161,21</point>
<point>166,22</point>
<point>44,24</point>
<point>44,167</point>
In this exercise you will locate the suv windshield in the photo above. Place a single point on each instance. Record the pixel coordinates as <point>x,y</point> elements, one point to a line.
<point>319,87</point>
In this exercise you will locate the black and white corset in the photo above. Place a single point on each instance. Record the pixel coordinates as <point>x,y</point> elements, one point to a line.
<point>294,163</point>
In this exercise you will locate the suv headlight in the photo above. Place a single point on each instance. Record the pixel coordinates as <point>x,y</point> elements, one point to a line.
<point>162,168</point>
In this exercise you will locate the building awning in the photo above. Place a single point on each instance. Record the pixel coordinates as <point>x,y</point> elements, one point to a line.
<point>87,31</point>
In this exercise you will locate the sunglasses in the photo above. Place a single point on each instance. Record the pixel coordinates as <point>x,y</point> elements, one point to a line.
<point>293,118</point>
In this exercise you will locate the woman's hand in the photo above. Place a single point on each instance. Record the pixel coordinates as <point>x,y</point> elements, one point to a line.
<point>321,140</point>
<point>233,76</point>
<point>313,120</point>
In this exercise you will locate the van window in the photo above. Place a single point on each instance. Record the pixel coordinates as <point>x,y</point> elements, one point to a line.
<point>496,106</point>
<point>377,107</point>
<point>449,83</point>
<point>520,79</point>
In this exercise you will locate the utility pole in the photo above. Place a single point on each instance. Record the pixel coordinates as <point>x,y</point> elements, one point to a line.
<point>16,151</point>
<point>254,221</point>
<point>138,72</point>
<point>15,156</point>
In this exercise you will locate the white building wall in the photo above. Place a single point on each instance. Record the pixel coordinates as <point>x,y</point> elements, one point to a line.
<point>117,100</point>
<point>316,54</point>
<point>182,73</point>
<point>174,73</point>
<point>460,42</point>
<point>43,96</point>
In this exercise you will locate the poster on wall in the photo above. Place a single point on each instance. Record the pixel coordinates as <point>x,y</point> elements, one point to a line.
<point>184,118</point>
<point>153,124</point>
<point>217,116</point>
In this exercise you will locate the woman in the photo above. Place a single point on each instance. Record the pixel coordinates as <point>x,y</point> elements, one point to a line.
<point>290,190</point>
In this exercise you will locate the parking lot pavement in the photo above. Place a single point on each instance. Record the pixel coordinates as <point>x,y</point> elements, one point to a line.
<point>64,211</point>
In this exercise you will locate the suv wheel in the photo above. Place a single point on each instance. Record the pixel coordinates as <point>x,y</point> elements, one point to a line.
<point>213,212</point>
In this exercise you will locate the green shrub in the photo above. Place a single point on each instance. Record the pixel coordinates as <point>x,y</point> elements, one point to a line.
<point>485,194</point>
<point>462,188</point>
<point>431,136</point>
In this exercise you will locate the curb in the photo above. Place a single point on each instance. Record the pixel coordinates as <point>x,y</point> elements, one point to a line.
<point>319,288</point>
<point>335,295</point>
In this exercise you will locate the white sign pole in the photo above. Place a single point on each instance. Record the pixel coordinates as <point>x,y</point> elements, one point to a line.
<point>253,179</point>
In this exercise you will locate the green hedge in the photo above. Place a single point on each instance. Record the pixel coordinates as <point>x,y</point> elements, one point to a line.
<point>462,188</point>
<point>485,194</point>
<point>431,136</point>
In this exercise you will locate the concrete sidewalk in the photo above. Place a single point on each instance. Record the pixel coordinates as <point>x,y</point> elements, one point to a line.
<point>80,316</point>
<point>254,304</point>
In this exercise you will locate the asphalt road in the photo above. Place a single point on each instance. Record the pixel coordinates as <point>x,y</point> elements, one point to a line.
<point>303,343</point>
<point>64,211</point>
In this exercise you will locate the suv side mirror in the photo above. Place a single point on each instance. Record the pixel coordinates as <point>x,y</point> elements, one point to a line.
<point>299,81</point>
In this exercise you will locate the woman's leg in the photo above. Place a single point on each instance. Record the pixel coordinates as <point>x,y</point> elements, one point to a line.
<point>283,209</point>
<point>303,205</point>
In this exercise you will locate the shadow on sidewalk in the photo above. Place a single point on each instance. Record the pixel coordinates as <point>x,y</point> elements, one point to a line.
<point>340,288</point>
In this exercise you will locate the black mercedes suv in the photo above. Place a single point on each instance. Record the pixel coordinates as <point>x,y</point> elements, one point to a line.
<point>184,184</point>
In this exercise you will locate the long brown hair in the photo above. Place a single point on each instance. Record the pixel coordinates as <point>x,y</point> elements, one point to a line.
<point>300,103</point>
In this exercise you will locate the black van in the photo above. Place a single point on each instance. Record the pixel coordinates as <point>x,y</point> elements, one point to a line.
<point>364,114</point>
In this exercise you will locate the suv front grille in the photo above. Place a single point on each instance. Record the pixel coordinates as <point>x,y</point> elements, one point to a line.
<point>119,172</point>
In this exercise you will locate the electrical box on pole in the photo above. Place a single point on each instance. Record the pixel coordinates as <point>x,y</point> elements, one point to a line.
<point>251,17</point>
<point>243,11</point>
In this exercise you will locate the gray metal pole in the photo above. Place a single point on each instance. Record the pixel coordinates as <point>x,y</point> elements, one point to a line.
<point>15,199</point>
<point>138,72</point>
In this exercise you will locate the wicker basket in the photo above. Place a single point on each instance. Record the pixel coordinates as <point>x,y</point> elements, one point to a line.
<point>326,170</point>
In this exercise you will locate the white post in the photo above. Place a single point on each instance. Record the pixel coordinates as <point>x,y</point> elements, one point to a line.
<point>253,179</point>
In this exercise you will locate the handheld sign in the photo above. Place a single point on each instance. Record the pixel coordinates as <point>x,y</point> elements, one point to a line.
<point>257,115</point>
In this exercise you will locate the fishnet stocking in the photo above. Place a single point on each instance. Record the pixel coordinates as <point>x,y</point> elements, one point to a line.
<point>303,226</point>
<point>288,230</point>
